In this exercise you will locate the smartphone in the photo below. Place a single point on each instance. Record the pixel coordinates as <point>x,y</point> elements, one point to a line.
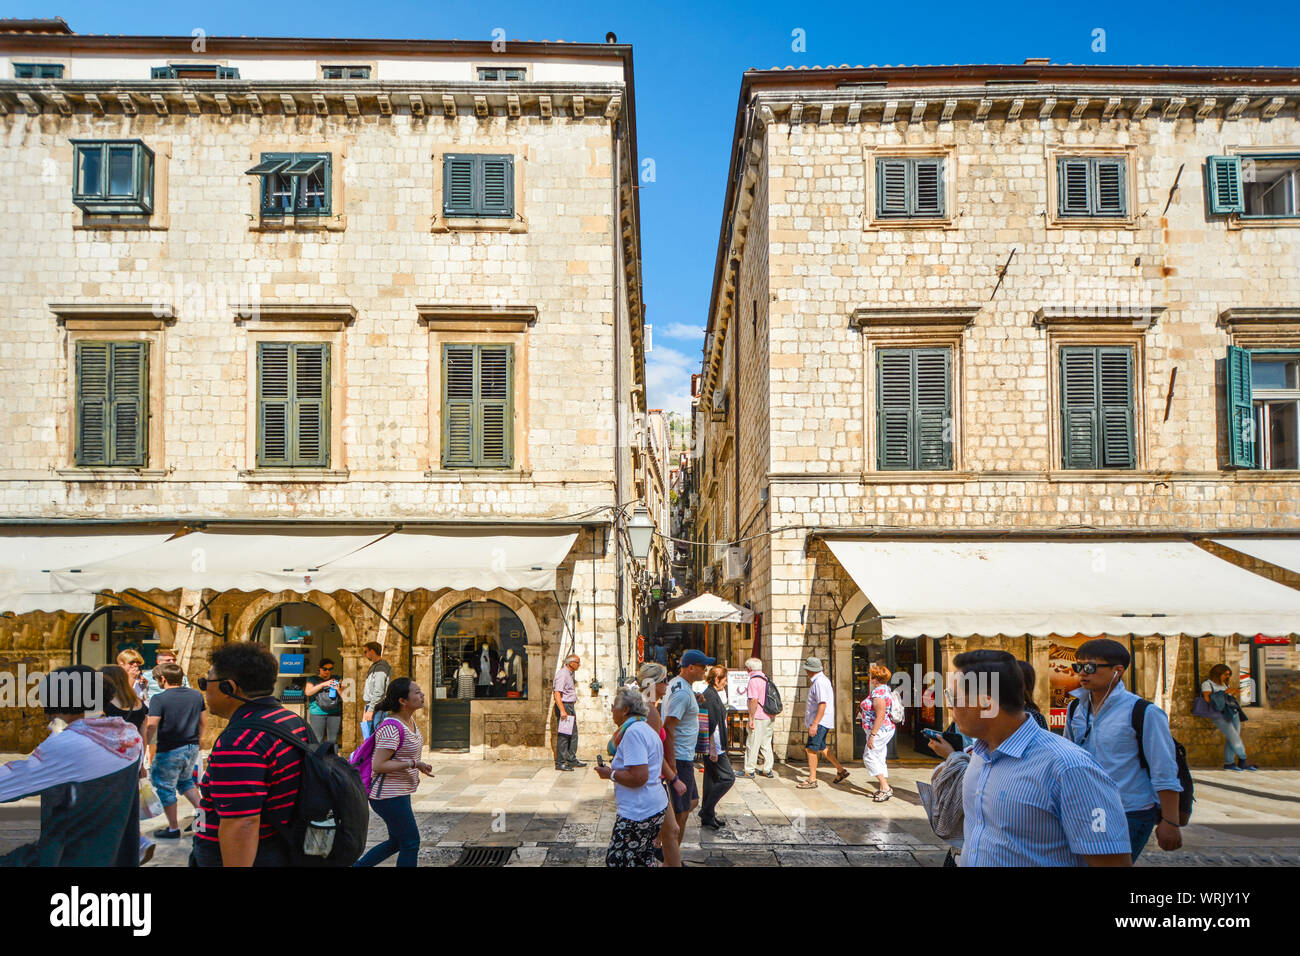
<point>600,760</point>
<point>932,734</point>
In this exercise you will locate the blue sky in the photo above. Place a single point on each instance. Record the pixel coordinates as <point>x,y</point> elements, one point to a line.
<point>689,57</point>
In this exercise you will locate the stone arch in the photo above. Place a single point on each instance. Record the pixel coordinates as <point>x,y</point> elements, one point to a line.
<point>251,614</point>
<point>76,629</point>
<point>849,613</point>
<point>424,635</point>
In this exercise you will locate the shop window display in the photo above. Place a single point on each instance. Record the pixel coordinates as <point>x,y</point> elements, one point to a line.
<point>481,653</point>
<point>299,635</point>
<point>112,630</point>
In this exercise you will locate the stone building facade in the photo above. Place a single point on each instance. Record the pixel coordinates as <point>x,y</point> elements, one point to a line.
<point>479,208</point>
<point>923,211</point>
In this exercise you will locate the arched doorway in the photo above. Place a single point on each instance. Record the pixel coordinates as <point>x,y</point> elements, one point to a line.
<point>108,631</point>
<point>300,635</point>
<point>480,651</point>
<point>898,654</point>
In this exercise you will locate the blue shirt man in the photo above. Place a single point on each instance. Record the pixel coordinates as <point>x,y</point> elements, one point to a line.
<point>1101,721</point>
<point>682,725</point>
<point>1029,797</point>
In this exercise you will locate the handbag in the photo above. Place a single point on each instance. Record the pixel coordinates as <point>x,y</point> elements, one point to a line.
<point>1203,708</point>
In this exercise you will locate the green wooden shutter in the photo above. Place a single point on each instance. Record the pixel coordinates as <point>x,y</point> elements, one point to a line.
<point>458,185</point>
<point>1072,187</point>
<point>495,430</point>
<point>458,406</point>
<point>1079,407</point>
<point>128,388</point>
<point>1115,375</point>
<point>927,191</point>
<point>1241,410</point>
<point>498,186</point>
<point>894,445</point>
<point>310,406</point>
<point>933,409</point>
<point>1109,196</point>
<point>92,403</point>
<point>1225,185</point>
<point>891,187</point>
<point>273,400</point>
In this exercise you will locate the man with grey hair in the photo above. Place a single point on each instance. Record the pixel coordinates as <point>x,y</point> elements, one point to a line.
<point>565,694</point>
<point>819,715</point>
<point>758,742</point>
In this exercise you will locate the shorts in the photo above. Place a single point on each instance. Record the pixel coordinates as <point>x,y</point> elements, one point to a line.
<point>817,742</point>
<point>686,774</point>
<point>172,772</point>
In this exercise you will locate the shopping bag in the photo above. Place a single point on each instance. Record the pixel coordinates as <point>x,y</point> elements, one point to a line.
<point>566,726</point>
<point>150,805</point>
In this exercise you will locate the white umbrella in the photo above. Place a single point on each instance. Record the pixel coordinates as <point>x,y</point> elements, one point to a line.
<point>710,609</point>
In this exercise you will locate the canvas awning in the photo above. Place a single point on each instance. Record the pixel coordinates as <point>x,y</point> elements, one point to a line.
<point>305,559</point>
<point>1282,552</point>
<point>710,609</point>
<point>27,558</point>
<point>410,559</point>
<point>1039,588</point>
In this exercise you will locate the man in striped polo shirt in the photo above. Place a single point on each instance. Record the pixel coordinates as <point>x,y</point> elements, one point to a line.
<point>252,777</point>
<point>1030,797</point>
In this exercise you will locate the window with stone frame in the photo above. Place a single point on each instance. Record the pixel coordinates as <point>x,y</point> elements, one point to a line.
<point>914,414</point>
<point>1264,408</point>
<point>1097,407</point>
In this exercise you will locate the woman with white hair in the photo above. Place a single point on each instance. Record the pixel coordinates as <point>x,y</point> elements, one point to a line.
<point>653,679</point>
<point>638,754</point>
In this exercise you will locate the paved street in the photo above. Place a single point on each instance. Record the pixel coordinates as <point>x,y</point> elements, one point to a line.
<point>564,819</point>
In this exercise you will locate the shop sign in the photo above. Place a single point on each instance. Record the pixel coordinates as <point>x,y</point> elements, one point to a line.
<point>1261,639</point>
<point>738,690</point>
<point>1061,676</point>
<point>1275,655</point>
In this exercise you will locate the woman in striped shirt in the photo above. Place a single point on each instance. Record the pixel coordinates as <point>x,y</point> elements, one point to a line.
<point>397,766</point>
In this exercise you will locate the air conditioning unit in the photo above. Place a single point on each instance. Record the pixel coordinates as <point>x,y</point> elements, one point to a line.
<point>733,566</point>
<point>706,575</point>
<point>719,404</point>
<point>719,553</point>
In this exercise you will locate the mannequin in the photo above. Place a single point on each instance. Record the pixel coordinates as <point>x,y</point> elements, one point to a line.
<point>512,671</point>
<point>488,665</point>
<point>465,679</point>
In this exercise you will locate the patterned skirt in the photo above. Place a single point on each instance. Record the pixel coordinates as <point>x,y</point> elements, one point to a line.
<point>633,841</point>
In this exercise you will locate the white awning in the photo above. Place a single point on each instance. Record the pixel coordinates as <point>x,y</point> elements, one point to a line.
<point>220,559</point>
<point>1283,552</point>
<point>986,588</point>
<point>27,558</point>
<point>410,559</point>
<point>250,559</point>
<point>710,609</point>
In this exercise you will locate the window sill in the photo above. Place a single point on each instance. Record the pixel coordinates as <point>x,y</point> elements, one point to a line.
<point>1237,221</point>
<point>1262,474</point>
<point>516,224</point>
<point>946,222</point>
<point>916,477</point>
<point>1093,222</point>
<point>478,474</point>
<point>1106,474</point>
<point>92,473</point>
<point>322,475</point>
<point>137,222</point>
<point>301,224</point>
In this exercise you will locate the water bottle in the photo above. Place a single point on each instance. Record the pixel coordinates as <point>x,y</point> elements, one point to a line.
<point>333,692</point>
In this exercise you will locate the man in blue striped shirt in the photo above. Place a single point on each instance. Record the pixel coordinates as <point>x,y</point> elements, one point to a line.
<point>1030,798</point>
<point>1101,722</point>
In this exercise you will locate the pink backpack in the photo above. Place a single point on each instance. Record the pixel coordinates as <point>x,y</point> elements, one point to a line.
<point>362,759</point>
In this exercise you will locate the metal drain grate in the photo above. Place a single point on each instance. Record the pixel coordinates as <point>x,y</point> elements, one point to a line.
<point>485,856</point>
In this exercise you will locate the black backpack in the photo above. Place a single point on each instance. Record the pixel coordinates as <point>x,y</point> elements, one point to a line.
<point>1186,798</point>
<point>771,698</point>
<point>331,816</point>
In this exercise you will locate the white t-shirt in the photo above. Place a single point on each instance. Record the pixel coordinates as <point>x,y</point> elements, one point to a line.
<point>1210,686</point>
<point>640,746</point>
<point>820,690</point>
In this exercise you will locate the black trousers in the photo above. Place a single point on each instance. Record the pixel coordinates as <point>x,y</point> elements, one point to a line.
<point>566,745</point>
<point>719,777</point>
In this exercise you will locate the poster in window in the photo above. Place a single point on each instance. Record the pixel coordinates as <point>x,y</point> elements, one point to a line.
<point>1061,676</point>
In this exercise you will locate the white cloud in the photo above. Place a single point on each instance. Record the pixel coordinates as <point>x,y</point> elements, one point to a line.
<point>681,330</point>
<point>668,379</point>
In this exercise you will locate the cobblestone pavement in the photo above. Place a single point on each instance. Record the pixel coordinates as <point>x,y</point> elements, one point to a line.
<point>550,818</point>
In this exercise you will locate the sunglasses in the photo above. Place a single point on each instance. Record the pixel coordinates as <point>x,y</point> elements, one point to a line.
<point>1087,667</point>
<point>203,682</point>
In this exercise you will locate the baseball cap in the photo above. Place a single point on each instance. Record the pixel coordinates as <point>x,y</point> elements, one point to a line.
<point>692,657</point>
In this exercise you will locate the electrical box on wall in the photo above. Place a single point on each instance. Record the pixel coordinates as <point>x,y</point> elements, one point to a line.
<point>733,566</point>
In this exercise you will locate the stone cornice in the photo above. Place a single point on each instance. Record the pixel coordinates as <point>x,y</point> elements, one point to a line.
<point>1055,316</point>
<point>1259,318</point>
<point>1098,102</point>
<point>929,316</point>
<point>490,318</point>
<point>113,315</point>
<point>602,102</point>
<point>334,314</point>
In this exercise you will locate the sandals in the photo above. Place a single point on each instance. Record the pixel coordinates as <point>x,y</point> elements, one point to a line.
<point>841,776</point>
<point>881,796</point>
<point>806,785</point>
